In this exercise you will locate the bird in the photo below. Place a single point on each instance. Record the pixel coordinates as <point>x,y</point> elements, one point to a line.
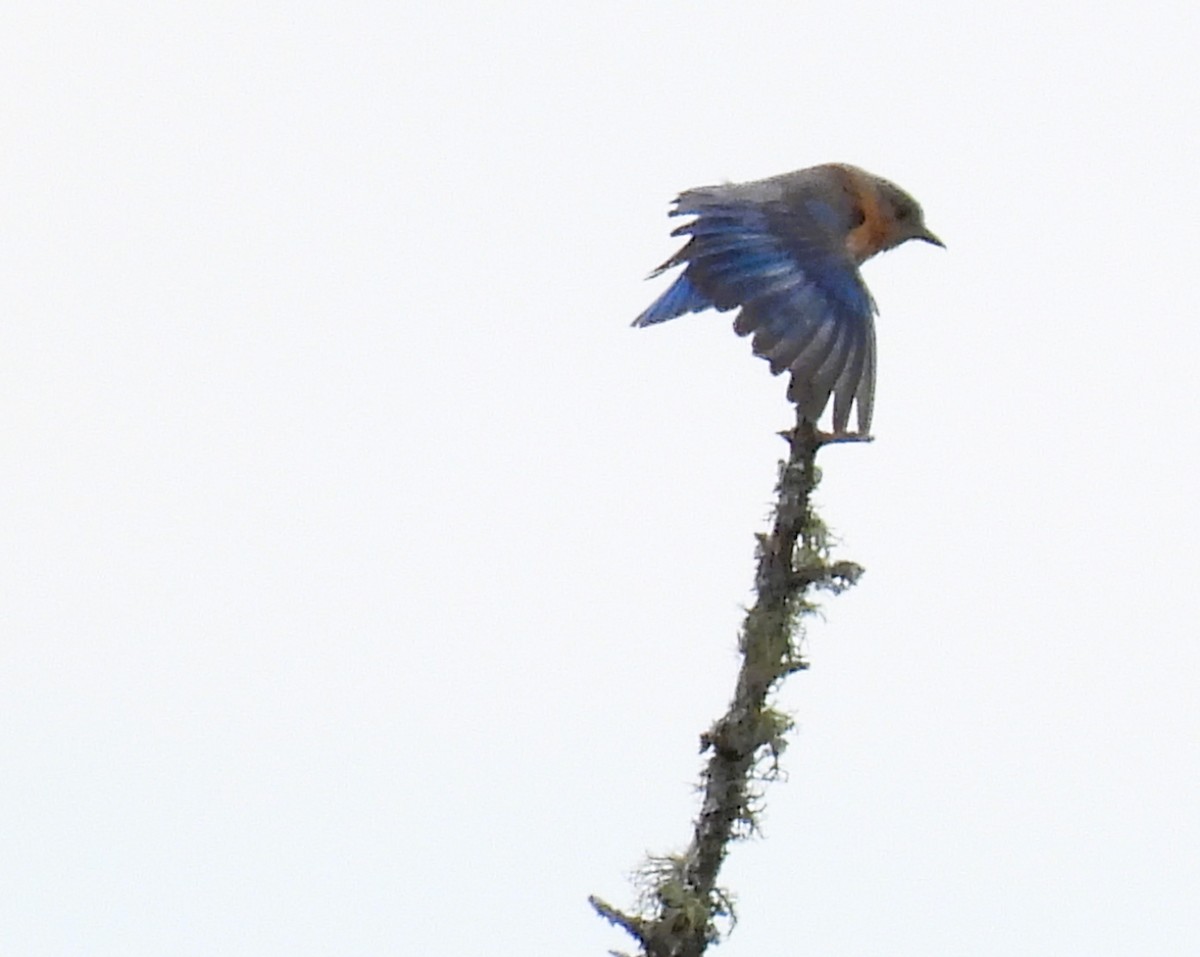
<point>785,251</point>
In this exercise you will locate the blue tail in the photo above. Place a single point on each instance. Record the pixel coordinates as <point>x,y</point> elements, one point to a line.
<point>679,300</point>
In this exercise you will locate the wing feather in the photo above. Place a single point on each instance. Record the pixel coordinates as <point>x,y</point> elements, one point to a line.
<point>773,256</point>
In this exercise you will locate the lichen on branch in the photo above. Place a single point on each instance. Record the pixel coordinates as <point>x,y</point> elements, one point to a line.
<point>681,908</point>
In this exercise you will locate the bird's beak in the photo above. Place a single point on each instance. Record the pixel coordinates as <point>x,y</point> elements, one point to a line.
<point>926,236</point>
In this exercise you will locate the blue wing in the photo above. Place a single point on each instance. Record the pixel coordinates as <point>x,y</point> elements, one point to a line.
<point>800,294</point>
<point>679,300</point>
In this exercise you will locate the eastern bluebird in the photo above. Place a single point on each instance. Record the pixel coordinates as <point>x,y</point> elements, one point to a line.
<point>786,250</point>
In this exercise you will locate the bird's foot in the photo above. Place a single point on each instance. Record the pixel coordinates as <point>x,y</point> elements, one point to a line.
<point>832,438</point>
<point>827,438</point>
<point>817,438</point>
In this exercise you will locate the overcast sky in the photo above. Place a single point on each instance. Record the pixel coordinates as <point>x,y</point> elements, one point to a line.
<point>366,581</point>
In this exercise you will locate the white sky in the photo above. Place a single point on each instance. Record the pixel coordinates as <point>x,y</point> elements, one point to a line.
<point>367,581</point>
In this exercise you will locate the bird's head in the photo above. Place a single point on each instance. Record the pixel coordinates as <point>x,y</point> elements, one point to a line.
<point>906,219</point>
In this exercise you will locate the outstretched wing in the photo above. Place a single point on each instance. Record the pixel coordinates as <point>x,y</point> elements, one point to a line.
<point>779,259</point>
